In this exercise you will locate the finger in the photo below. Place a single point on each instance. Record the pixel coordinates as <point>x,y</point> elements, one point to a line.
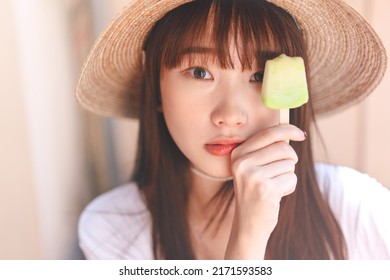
<point>258,188</point>
<point>278,168</point>
<point>256,175</point>
<point>272,153</point>
<point>268,136</point>
<point>286,183</point>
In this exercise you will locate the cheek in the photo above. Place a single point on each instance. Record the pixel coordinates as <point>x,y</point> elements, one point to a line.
<point>182,116</point>
<point>273,118</point>
<point>177,110</point>
<point>184,122</point>
<point>261,117</point>
<point>181,101</point>
<point>184,127</point>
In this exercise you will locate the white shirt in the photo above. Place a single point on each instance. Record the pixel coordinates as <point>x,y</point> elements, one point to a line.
<point>117,224</point>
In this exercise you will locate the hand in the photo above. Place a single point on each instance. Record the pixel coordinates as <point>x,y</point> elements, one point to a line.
<point>263,170</point>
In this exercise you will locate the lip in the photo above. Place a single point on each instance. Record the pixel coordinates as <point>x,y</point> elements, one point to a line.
<point>222,147</point>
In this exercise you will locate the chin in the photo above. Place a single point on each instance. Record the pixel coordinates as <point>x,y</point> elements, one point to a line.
<point>219,169</point>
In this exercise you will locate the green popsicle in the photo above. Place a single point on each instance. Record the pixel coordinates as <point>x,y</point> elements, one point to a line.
<point>284,85</point>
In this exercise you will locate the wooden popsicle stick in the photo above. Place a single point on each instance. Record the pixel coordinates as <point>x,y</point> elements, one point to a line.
<point>284,116</point>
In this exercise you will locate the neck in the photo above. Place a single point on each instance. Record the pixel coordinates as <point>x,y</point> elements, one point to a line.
<point>208,232</point>
<point>209,177</point>
<point>203,188</point>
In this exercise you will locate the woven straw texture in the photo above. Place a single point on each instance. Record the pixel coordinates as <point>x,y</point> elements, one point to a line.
<point>346,58</point>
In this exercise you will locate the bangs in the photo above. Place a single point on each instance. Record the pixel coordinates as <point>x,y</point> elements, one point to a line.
<point>259,30</point>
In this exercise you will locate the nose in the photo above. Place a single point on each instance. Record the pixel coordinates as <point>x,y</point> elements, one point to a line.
<point>230,110</point>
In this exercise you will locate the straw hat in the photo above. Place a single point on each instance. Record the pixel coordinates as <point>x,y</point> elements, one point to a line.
<point>346,57</point>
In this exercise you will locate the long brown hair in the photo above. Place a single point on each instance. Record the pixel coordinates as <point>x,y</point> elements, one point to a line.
<point>307,228</point>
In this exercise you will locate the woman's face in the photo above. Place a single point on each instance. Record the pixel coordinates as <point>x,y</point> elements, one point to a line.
<point>209,110</point>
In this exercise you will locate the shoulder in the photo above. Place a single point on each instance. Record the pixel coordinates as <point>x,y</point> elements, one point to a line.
<point>117,200</point>
<point>340,184</point>
<point>116,225</point>
<point>362,207</point>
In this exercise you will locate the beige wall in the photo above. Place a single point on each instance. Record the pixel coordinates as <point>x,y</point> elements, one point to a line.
<point>359,136</point>
<point>19,223</point>
<point>43,180</point>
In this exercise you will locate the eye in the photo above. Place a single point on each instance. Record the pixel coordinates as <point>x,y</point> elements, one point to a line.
<point>257,77</point>
<point>200,73</point>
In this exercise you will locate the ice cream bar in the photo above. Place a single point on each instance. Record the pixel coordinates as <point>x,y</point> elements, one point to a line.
<point>284,85</point>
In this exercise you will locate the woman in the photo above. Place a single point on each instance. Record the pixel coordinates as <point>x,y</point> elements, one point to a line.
<point>216,176</point>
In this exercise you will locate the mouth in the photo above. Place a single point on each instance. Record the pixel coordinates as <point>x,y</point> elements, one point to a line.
<point>222,147</point>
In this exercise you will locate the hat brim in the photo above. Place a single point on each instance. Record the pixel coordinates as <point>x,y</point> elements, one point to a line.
<point>346,58</point>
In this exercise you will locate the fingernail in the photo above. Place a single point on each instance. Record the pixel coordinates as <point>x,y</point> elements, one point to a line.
<point>305,134</point>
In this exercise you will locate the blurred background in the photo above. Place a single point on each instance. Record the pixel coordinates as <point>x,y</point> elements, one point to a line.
<point>55,157</point>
